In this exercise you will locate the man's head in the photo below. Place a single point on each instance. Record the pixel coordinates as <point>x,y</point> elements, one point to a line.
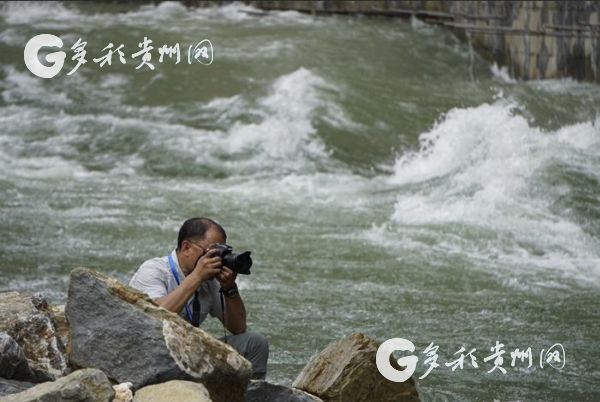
<point>195,237</point>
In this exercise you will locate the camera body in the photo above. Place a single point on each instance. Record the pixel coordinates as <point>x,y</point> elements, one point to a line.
<point>237,262</point>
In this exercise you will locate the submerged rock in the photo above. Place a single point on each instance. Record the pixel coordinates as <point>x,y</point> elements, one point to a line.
<point>175,390</point>
<point>262,391</point>
<point>25,319</point>
<point>345,371</point>
<point>122,332</point>
<point>89,385</point>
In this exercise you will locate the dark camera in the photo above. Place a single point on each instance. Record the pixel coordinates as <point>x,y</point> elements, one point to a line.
<point>239,263</point>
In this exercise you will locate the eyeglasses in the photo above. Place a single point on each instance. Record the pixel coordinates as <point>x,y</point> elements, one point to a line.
<point>204,250</point>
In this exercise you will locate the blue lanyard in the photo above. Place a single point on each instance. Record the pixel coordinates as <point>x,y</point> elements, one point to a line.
<point>174,271</point>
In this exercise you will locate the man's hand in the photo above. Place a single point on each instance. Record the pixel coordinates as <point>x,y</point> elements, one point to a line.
<point>208,266</point>
<point>226,278</point>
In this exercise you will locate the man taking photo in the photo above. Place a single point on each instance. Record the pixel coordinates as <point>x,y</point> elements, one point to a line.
<point>193,282</point>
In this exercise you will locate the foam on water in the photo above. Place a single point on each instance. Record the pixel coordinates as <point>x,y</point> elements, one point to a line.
<point>325,191</point>
<point>501,73</point>
<point>566,86</point>
<point>56,15</point>
<point>251,50</point>
<point>12,37</point>
<point>284,138</point>
<point>286,130</point>
<point>20,86</point>
<point>39,167</point>
<point>488,169</point>
<point>281,138</point>
<point>32,12</point>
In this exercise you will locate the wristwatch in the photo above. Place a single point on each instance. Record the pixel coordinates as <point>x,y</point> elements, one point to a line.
<point>231,292</point>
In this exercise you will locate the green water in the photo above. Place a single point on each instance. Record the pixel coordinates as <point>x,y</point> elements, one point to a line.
<point>386,179</point>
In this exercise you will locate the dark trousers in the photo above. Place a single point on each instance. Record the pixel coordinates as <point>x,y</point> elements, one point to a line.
<point>254,347</point>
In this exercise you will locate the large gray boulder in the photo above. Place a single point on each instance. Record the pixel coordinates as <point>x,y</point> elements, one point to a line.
<point>25,318</point>
<point>262,391</point>
<point>122,332</point>
<point>89,385</point>
<point>345,371</point>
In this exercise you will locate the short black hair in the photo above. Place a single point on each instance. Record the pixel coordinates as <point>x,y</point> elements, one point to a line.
<point>197,228</point>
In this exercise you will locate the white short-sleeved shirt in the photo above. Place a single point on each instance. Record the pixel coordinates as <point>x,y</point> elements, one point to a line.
<point>154,277</point>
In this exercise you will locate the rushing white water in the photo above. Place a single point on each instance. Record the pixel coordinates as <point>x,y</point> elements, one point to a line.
<point>487,169</point>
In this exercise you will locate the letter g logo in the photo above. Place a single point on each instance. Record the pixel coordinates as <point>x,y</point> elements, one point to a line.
<point>383,359</point>
<point>31,55</point>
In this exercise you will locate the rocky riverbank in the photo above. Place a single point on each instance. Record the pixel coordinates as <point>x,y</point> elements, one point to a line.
<point>112,343</point>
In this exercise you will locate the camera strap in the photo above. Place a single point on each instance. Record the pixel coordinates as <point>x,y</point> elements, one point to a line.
<point>223,311</point>
<point>174,271</point>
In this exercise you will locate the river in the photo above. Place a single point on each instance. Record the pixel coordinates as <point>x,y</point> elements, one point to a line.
<point>386,178</point>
